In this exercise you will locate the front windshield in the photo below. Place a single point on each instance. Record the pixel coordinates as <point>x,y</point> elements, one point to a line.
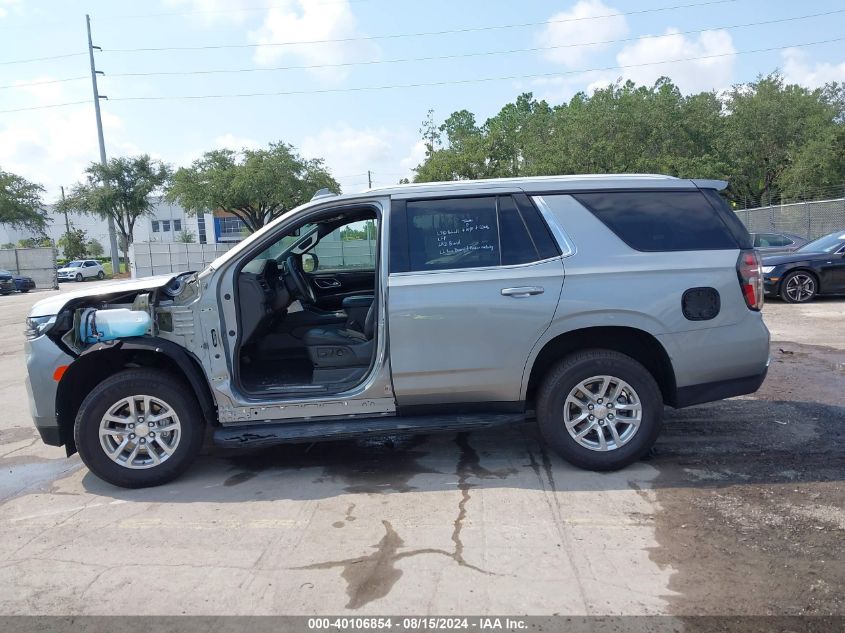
<point>827,244</point>
<point>73,265</point>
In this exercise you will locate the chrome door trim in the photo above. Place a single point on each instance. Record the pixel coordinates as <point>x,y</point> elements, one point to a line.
<point>566,245</point>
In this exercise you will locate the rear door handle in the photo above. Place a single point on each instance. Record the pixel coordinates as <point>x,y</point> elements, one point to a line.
<point>522,291</point>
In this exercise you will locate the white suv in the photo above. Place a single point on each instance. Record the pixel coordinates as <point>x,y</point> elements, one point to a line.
<point>81,269</point>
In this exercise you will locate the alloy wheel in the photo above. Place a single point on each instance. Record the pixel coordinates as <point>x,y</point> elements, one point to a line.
<point>140,432</point>
<point>800,287</point>
<point>602,413</point>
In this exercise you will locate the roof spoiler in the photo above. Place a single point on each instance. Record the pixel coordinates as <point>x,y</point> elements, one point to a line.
<point>323,193</point>
<point>718,185</point>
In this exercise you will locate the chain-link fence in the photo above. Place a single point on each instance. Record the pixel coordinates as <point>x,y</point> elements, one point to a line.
<point>807,219</point>
<point>37,263</point>
<point>158,258</point>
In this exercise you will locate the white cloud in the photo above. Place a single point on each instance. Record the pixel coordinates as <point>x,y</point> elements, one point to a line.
<point>414,157</point>
<point>638,60</point>
<point>349,152</point>
<point>4,4</point>
<point>797,69</point>
<point>306,21</point>
<point>690,76</point>
<point>576,27</point>
<point>235,142</point>
<point>53,146</point>
<point>210,12</point>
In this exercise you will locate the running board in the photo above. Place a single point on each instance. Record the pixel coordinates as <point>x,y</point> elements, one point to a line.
<point>322,430</point>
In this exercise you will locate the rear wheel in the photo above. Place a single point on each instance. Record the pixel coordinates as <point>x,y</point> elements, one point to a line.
<point>101,275</point>
<point>600,410</point>
<point>799,287</point>
<point>139,428</point>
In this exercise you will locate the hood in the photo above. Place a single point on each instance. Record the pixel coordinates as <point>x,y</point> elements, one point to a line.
<point>53,305</point>
<point>791,258</point>
<point>65,269</point>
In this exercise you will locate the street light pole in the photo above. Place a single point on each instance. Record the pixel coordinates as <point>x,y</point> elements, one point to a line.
<point>115,258</point>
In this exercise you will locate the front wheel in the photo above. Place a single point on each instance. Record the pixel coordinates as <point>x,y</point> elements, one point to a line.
<point>600,410</point>
<point>798,287</point>
<point>78,276</point>
<point>139,428</point>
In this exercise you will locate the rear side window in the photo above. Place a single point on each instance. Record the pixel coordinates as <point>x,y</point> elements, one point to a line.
<point>453,233</point>
<point>661,220</point>
<point>468,233</point>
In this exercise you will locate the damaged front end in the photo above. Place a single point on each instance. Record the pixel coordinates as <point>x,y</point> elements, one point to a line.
<point>76,340</point>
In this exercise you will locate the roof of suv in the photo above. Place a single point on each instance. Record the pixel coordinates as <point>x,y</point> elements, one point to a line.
<point>539,184</point>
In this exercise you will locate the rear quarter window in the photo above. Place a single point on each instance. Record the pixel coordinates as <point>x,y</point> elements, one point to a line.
<point>661,220</point>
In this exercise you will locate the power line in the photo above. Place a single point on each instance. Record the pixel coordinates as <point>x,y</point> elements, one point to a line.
<point>437,83</point>
<point>535,49</point>
<point>43,83</point>
<point>469,81</point>
<point>41,59</point>
<point>421,34</point>
<point>217,11</point>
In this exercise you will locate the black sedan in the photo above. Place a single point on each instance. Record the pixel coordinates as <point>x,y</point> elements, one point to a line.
<point>24,283</point>
<point>7,282</point>
<point>817,268</point>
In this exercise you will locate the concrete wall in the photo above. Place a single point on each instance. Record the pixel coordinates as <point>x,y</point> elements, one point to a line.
<point>38,263</point>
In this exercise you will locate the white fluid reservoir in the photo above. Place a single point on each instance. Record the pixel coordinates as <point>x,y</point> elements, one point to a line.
<point>108,325</point>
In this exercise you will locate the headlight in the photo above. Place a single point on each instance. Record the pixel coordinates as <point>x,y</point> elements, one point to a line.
<point>36,326</point>
<point>767,269</point>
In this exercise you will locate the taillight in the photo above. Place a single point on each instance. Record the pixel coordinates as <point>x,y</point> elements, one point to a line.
<point>748,269</point>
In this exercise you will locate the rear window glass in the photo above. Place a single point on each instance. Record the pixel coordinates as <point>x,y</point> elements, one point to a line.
<point>661,220</point>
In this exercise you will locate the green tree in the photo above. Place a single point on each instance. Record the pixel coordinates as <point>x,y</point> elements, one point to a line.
<point>35,242</point>
<point>7,245</point>
<point>186,237</point>
<point>94,248</point>
<point>122,189</point>
<point>20,203</point>
<point>74,243</point>
<point>257,186</point>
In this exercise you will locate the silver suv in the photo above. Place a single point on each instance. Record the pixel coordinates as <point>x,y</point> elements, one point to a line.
<point>588,301</point>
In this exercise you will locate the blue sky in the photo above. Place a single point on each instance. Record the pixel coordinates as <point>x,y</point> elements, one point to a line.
<point>356,130</point>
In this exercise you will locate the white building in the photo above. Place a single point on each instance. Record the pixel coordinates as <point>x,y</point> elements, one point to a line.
<point>164,225</point>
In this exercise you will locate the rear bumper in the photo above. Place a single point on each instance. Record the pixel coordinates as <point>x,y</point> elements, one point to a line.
<point>719,390</point>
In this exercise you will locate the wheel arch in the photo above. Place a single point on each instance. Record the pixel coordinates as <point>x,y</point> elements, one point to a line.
<point>104,360</point>
<point>636,343</point>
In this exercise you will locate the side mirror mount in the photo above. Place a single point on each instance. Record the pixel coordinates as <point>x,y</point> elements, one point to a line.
<point>310,262</point>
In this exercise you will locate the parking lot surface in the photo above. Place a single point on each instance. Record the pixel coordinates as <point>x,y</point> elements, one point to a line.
<point>738,511</point>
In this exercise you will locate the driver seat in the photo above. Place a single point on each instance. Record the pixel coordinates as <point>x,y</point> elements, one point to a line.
<point>331,347</point>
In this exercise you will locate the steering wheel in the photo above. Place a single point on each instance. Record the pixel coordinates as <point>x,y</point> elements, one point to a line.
<point>302,287</point>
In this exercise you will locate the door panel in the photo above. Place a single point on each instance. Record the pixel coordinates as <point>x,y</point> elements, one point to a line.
<point>832,273</point>
<point>456,337</point>
<point>331,287</point>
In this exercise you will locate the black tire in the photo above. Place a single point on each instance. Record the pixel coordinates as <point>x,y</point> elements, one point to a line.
<point>129,382</point>
<point>578,367</point>
<point>813,280</point>
<point>78,276</point>
<point>101,275</point>
<point>25,290</point>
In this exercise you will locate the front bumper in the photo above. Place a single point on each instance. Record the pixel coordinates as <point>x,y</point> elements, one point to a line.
<point>771,284</point>
<point>7,286</point>
<point>43,356</point>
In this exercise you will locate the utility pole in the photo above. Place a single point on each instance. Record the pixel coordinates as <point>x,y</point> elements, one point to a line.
<point>369,179</point>
<point>67,224</point>
<point>115,258</point>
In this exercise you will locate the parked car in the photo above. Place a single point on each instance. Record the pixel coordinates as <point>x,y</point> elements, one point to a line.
<point>592,300</point>
<point>24,283</point>
<point>81,269</point>
<point>817,268</point>
<point>7,282</point>
<point>775,243</point>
